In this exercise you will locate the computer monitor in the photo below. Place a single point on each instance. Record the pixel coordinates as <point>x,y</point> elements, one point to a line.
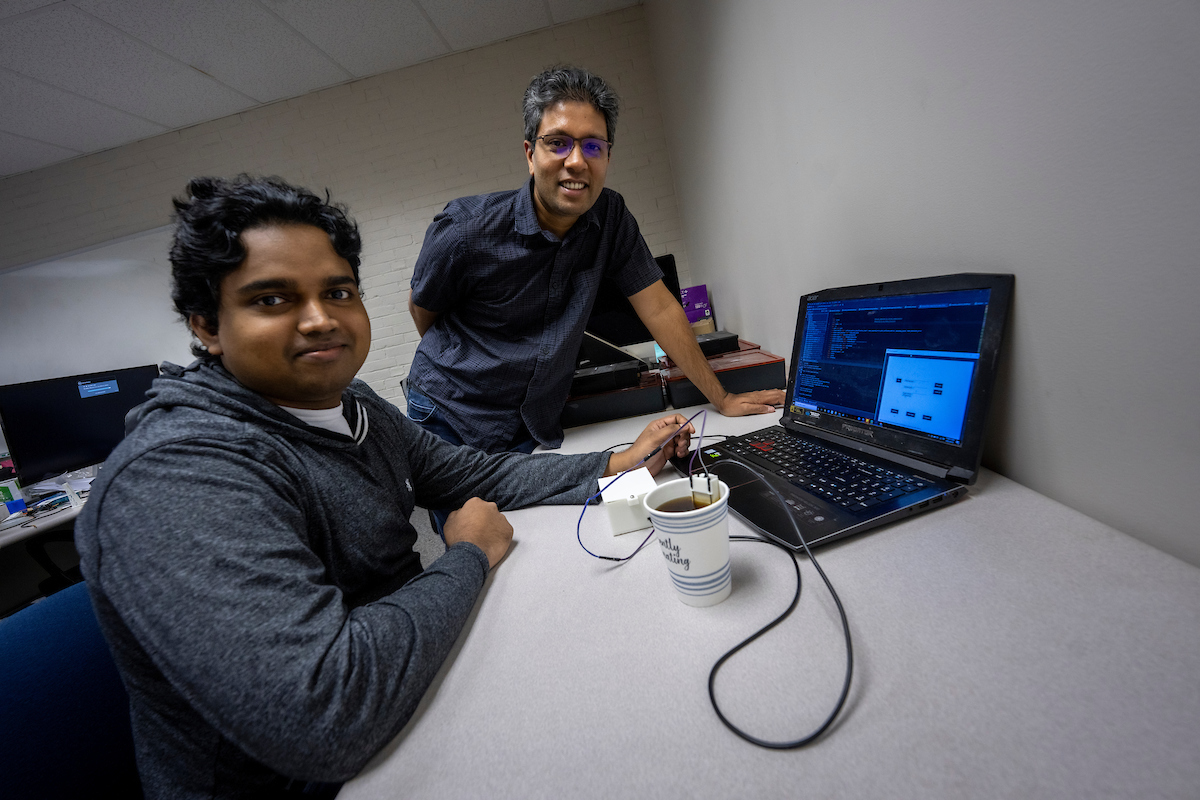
<point>63,424</point>
<point>613,318</point>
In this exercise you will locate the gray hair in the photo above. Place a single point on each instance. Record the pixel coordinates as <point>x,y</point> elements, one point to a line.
<point>570,84</point>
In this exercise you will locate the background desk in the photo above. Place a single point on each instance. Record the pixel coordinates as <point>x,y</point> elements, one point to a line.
<point>42,524</point>
<point>37,558</point>
<point>1005,646</point>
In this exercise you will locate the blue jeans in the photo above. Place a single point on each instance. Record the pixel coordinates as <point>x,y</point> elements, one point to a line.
<point>425,413</point>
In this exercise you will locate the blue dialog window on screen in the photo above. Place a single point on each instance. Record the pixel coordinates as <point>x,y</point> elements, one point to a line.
<point>927,391</point>
<point>94,388</point>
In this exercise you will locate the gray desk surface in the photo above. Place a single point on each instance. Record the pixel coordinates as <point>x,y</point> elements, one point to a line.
<point>1005,647</point>
<point>46,522</point>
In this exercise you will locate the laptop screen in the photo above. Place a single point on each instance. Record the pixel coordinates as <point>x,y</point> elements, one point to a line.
<point>905,361</point>
<point>906,365</point>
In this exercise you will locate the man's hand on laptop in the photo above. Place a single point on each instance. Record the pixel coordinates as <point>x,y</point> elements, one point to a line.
<point>740,405</point>
<point>480,523</point>
<point>655,434</point>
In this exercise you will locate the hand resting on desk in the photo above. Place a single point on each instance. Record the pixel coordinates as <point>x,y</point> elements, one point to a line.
<point>480,523</point>
<point>760,402</point>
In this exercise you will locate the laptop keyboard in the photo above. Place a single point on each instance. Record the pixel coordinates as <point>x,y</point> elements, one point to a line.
<point>830,474</point>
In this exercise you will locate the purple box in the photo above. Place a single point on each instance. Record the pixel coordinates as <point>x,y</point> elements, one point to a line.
<point>695,303</point>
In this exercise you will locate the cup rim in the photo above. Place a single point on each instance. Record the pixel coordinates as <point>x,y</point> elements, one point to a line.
<point>724,498</point>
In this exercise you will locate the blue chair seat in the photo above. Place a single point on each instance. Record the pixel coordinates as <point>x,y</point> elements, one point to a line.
<point>65,730</point>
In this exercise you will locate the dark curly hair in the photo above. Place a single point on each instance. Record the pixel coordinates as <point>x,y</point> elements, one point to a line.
<point>570,84</point>
<point>208,227</point>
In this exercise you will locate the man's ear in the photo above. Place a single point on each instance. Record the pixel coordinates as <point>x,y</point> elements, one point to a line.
<point>529,155</point>
<point>207,336</point>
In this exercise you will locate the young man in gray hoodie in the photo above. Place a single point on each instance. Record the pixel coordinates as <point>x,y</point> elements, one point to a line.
<point>247,546</point>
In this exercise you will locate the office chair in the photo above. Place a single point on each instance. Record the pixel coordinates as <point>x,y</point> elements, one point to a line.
<point>64,728</point>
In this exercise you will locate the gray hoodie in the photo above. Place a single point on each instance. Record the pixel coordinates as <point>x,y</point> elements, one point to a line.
<point>256,581</point>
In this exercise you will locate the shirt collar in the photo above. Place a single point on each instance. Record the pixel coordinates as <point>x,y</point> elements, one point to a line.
<point>526,215</point>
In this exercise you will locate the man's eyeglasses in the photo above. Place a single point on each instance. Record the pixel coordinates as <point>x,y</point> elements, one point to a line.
<point>563,146</point>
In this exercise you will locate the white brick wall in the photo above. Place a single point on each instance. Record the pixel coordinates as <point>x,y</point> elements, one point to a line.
<point>395,148</point>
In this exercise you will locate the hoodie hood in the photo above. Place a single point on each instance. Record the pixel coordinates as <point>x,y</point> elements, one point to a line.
<point>206,386</point>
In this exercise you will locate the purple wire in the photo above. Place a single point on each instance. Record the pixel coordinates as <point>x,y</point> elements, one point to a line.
<point>699,442</point>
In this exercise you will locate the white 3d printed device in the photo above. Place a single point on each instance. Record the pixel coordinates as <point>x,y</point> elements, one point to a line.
<point>623,499</point>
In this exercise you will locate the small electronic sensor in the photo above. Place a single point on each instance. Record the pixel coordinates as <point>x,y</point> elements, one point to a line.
<point>623,499</point>
<point>706,490</point>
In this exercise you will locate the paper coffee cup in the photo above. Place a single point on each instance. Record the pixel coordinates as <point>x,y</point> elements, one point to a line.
<point>695,544</point>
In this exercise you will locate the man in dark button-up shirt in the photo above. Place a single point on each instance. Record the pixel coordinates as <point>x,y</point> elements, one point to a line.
<point>505,282</point>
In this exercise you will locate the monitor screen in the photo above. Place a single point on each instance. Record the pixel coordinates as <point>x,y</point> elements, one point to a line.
<point>901,361</point>
<point>613,318</point>
<point>62,424</point>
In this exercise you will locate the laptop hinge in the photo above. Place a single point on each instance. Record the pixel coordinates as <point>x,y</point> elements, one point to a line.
<point>960,475</point>
<point>936,470</point>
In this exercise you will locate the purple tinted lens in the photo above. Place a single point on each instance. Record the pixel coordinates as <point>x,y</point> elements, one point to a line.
<point>562,146</point>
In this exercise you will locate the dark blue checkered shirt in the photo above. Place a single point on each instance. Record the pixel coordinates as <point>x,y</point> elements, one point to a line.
<point>514,301</point>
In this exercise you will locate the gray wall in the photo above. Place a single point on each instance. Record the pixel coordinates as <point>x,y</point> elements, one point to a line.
<point>105,308</point>
<point>817,144</point>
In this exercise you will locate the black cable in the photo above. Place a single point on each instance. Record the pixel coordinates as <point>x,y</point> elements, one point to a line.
<point>789,745</point>
<point>845,692</point>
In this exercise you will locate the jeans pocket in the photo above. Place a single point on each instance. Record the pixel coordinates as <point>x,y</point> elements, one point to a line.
<point>420,407</point>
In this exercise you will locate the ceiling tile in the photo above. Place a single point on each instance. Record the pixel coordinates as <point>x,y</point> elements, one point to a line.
<point>66,48</point>
<point>366,37</point>
<point>9,8</point>
<point>238,42</point>
<point>18,154</point>
<point>51,115</point>
<point>86,75</point>
<point>469,23</point>
<point>567,10</point>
